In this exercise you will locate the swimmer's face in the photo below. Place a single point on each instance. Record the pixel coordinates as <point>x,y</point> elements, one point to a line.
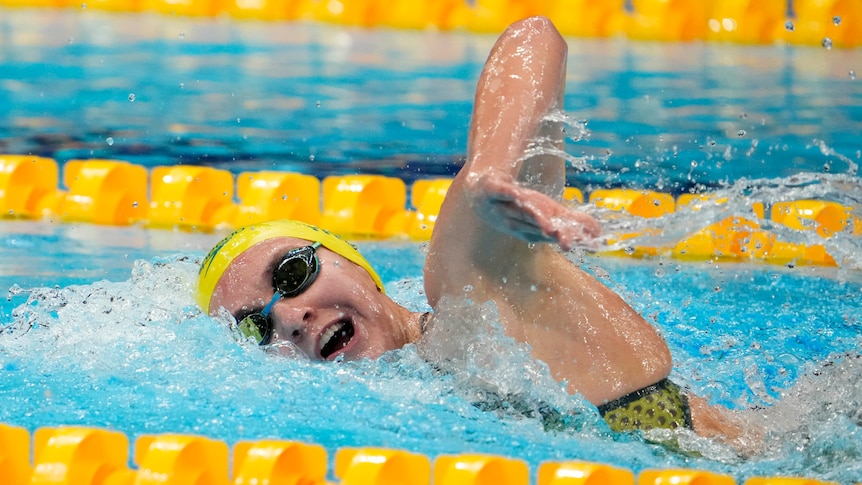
<point>341,313</point>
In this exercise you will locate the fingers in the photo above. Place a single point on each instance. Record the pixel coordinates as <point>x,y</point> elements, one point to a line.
<point>529,214</point>
<point>535,217</point>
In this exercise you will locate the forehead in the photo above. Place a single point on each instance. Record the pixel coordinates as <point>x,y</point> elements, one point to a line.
<point>251,272</point>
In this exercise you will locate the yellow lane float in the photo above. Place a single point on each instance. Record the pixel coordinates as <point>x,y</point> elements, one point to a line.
<point>269,195</point>
<point>110,192</point>
<point>375,207</point>
<point>381,466</point>
<point>76,455</point>
<point>363,206</point>
<point>191,197</point>
<point>583,473</point>
<point>830,23</point>
<point>278,461</point>
<point>478,469</point>
<point>28,185</point>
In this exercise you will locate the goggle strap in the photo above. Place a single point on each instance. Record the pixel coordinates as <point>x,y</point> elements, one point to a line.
<point>268,308</point>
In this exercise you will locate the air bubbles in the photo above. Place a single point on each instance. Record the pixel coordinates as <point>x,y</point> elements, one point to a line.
<point>740,133</point>
<point>789,25</point>
<point>132,97</point>
<point>852,74</point>
<point>826,43</point>
<point>836,20</point>
<point>182,36</point>
<point>109,141</point>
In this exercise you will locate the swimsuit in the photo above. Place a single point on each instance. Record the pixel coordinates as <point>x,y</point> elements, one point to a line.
<point>661,405</point>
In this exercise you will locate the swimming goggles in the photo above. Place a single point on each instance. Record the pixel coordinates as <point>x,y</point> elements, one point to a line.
<point>297,270</point>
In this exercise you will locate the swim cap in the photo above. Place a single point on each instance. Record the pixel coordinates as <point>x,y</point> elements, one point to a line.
<point>222,254</point>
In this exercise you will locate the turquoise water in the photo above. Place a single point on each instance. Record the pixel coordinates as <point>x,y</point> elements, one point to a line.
<point>322,99</point>
<point>131,352</point>
<point>100,327</point>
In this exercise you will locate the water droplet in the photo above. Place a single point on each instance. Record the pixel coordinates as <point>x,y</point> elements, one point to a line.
<point>109,141</point>
<point>182,85</point>
<point>317,104</point>
<point>740,133</point>
<point>468,288</point>
<point>132,97</point>
<point>311,158</point>
<point>135,204</point>
<point>789,25</point>
<point>852,75</point>
<point>827,43</point>
<point>836,20</point>
<point>182,35</point>
<point>71,39</point>
<point>237,121</point>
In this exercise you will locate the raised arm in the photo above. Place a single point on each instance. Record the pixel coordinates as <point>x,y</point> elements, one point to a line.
<point>500,201</point>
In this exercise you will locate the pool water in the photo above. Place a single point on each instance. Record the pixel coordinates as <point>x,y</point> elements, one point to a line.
<point>131,352</point>
<point>100,327</point>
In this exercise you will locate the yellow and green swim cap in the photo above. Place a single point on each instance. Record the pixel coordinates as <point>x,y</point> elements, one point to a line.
<point>228,249</point>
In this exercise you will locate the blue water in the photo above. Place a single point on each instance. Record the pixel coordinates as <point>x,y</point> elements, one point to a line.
<point>100,327</point>
<point>119,343</point>
<point>323,99</point>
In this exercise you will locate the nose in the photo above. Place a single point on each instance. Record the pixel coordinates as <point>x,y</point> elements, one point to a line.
<point>291,320</point>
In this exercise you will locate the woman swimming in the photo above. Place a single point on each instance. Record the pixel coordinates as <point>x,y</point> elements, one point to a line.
<point>288,282</point>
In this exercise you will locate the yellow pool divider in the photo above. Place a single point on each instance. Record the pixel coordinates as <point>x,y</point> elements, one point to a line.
<point>188,197</point>
<point>94,456</point>
<point>835,23</point>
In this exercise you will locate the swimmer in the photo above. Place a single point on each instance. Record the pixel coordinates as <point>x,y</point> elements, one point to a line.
<point>290,283</point>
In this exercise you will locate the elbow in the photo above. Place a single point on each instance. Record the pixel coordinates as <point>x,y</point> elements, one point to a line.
<point>538,26</point>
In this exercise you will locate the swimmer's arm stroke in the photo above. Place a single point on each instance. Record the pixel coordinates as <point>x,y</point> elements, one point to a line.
<point>499,202</point>
<point>523,82</point>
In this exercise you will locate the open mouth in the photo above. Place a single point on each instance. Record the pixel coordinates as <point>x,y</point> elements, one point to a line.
<point>335,338</point>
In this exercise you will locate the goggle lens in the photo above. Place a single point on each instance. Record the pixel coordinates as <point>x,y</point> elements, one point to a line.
<point>296,271</point>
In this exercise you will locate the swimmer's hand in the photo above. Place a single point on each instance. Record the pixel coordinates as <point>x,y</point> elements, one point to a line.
<point>528,214</point>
